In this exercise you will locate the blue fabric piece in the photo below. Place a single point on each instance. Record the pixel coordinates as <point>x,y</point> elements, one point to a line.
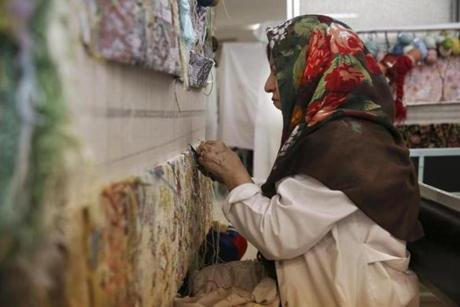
<point>188,33</point>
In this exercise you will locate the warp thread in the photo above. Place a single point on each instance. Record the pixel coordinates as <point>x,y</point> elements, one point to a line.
<point>152,229</point>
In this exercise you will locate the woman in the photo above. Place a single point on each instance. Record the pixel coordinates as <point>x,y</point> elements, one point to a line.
<point>342,198</point>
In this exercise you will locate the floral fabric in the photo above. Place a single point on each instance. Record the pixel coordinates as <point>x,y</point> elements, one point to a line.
<point>321,64</point>
<point>162,36</point>
<point>134,32</point>
<point>431,136</point>
<point>437,83</point>
<point>199,69</point>
<point>116,30</point>
<point>148,33</point>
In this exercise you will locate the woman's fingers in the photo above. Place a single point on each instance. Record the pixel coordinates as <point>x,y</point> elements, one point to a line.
<point>210,156</point>
<point>216,147</point>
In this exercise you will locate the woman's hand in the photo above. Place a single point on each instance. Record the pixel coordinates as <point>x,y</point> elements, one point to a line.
<point>223,164</point>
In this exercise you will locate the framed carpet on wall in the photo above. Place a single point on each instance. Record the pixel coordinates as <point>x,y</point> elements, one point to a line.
<point>144,33</point>
<point>436,83</point>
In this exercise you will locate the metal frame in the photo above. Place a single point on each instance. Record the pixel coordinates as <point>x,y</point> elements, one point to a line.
<point>421,153</point>
<point>441,197</point>
<point>455,10</point>
<point>293,8</point>
<point>423,28</point>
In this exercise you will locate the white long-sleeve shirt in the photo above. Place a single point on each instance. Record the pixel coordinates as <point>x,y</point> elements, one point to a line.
<point>327,251</point>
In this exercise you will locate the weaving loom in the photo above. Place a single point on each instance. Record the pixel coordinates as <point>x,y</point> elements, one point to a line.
<point>120,210</point>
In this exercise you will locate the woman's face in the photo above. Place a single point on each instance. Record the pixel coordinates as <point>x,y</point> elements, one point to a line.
<point>271,86</point>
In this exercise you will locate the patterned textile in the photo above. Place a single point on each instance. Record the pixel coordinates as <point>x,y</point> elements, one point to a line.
<point>148,33</point>
<point>452,80</point>
<point>117,30</point>
<point>196,53</point>
<point>334,95</point>
<point>162,35</point>
<point>199,70</point>
<point>321,66</point>
<point>145,234</point>
<point>134,32</point>
<point>435,83</point>
<point>37,155</point>
<point>431,136</point>
<point>237,283</point>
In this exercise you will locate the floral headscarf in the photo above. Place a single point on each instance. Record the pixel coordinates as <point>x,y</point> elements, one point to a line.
<point>321,66</point>
<point>338,112</point>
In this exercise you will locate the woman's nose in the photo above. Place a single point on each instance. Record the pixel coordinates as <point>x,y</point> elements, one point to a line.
<point>269,85</point>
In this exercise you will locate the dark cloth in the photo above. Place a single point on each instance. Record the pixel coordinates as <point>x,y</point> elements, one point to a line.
<point>366,160</point>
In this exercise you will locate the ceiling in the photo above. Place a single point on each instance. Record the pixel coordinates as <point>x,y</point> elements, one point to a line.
<point>234,17</point>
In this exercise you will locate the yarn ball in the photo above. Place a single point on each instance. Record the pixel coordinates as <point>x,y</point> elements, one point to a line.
<point>456,46</point>
<point>207,3</point>
<point>431,57</point>
<point>373,47</point>
<point>224,246</point>
<point>430,42</point>
<point>398,49</point>
<point>421,46</point>
<point>444,52</point>
<point>405,38</point>
<point>447,43</point>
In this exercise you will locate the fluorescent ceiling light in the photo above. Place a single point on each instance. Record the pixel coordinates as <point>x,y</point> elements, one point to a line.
<point>253,27</point>
<point>343,15</point>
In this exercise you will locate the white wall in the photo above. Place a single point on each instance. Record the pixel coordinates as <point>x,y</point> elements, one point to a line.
<point>382,13</point>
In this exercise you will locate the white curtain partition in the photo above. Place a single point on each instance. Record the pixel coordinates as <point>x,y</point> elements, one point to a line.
<point>248,118</point>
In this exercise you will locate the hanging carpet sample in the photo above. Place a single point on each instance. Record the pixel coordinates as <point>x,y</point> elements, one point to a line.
<point>423,85</point>
<point>115,30</point>
<point>196,42</point>
<point>452,80</point>
<point>145,233</point>
<point>200,61</point>
<point>162,36</point>
<point>136,32</point>
<point>199,69</point>
<point>437,83</point>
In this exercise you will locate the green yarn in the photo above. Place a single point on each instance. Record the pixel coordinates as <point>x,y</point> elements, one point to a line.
<point>24,215</point>
<point>9,133</point>
<point>5,20</point>
<point>9,125</point>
